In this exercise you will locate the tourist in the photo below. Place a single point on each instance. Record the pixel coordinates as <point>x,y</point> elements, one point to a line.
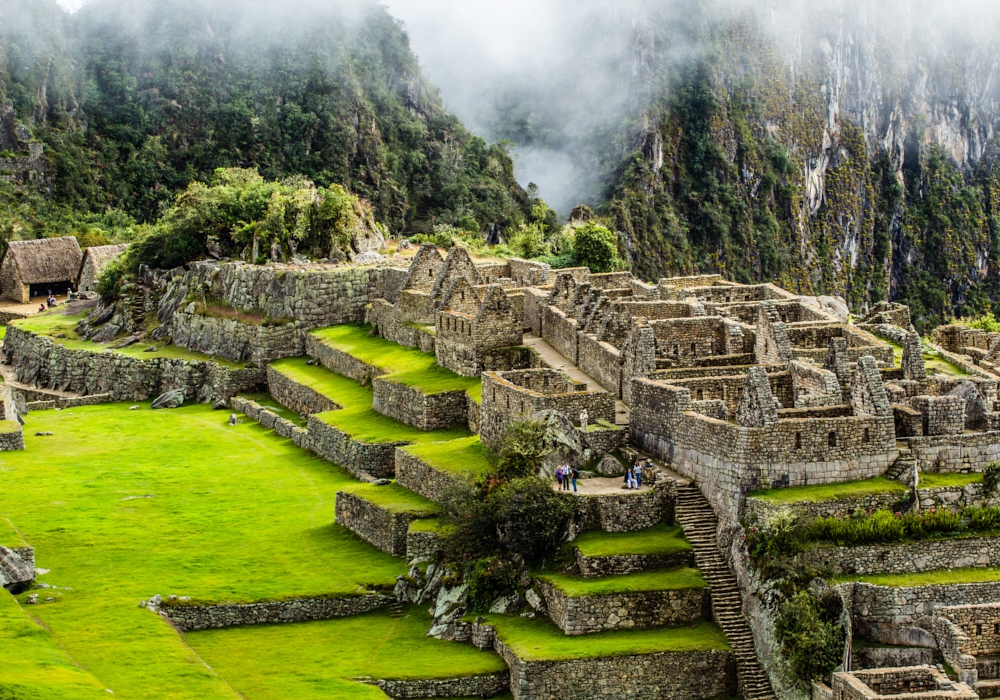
<point>559,477</point>
<point>584,418</point>
<point>630,481</point>
<point>638,473</point>
<point>567,470</point>
<point>574,474</point>
<point>41,308</point>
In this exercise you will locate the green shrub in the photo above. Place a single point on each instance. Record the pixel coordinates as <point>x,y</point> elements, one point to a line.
<point>488,578</point>
<point>532,520</point>
<point>983,519</point>
<point>521,449</point>
<point>596,247</point>
<point>109,282</point>
<point>991,478</point>
<point>811,638</point>
<point>987,322</point>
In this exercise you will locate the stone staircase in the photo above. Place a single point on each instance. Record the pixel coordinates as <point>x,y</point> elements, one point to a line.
<point>903,464</point>
<point>696,516</point>
<point>988,668</point>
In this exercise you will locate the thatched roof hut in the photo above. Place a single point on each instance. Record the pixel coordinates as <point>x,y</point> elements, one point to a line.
<point>95,259</point>
<point>33,268</point>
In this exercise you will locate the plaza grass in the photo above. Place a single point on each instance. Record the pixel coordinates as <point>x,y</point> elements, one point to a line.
<point>931,480</point>
<point>400,364</point>
<point>33,666</point>
<point>311,660</point>
<point>538,639</point>
<point>357,418</point>
<point>663,580</point>
<point>829,492</point>
<point>660,539</point>
<point>236,513</point>
<point>938,577</point>
<point>61,329</point>
<point>394,498</point>
<point>456,457</point>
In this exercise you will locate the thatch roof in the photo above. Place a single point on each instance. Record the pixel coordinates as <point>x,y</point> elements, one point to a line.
<point>44,260</point>
<point>100,255</point>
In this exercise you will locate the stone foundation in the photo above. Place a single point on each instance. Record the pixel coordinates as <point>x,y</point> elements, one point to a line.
<point>12,441</point>
<point>409,405</point>
<point>468,687</point>
<point>627,511</point>
<point>200,617</point>
<point>589,614</point>
<point>379,527</point>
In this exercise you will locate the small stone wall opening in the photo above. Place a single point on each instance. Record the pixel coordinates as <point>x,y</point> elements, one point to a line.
<point>832,440</point>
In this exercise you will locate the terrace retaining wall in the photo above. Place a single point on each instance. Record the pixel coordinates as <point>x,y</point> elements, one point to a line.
<point>360,458</point>
<point>297,397</point>
<point>600,613</point>
<point>377,526</point>
<point>485,686</point>
<point>11,442</point>
<point>904,614</point>
<point>340,362</point>
<point>409,405</point>
<point>913,557</point>
<point>657,676</point>
<point>619,564</point>
<point>40,362</point>
<point>200,617</point>
<point>234,340</point>
<point>421,478</point>
<point>627,511</point>
<point>423,546</point>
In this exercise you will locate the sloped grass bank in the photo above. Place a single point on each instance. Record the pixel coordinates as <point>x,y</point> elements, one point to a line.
<point>400,364</point>
<point>122,505</point>
<point>33,666</point>
<point>298,662</point>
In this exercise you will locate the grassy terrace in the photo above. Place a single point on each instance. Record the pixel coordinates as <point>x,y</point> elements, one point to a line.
<point>930,480</point>
<point>928,578</point>
<point>60,328</point>
<point>394,498</point>
<point>121,505</point>
<point>538,639</point>
<point>665,580</point>
<point>829,492</point>
<point>34,667</point>
<point>400,364</point>
<point>429,525</point>
<point>658,540</point>
<point>317,659</point>
<point>357,418</point>
<point>455,457</point>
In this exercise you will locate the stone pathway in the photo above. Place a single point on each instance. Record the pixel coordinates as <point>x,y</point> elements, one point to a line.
<point>558,361</point>
<point>603,485</point>
<point>696,516</point>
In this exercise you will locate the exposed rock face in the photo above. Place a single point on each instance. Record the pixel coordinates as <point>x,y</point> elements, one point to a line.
<point>170,399</point>
<point>16,572</point>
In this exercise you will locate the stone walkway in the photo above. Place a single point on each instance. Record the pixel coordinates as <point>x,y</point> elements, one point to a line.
<point>558,361</point>
<point>603,485</point>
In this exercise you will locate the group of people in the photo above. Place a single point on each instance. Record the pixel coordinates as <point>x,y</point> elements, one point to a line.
<point>566,474</point>
<point>633,475</point>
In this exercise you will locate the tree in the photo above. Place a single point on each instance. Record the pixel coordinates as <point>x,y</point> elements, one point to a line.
<point>596,247</point>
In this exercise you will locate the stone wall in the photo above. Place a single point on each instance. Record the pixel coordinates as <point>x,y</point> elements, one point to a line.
<point>657,676</point>
<point>8,316</point>
<point>382,315</point>
<point>421,478</point>
<point>833,508</point>
<point>379,527</point>
<point>620,564</point>
<point>409,405</point>
<point>297,397</point>
<point>38,361</point>
<point>981,624</point>
<point>12,440</point>
<point>485,686</point>
<point>340,362</point>
<point>904,614</point>
<point>627,511</point>
<point>200,617</point>
<point>233,340</point>
<point>966,452</point>
<point>423,545</point>
<point>603,440</point>
<point>912,557</point>
<point>359,458</point>
<point>560,332</point>
<point>601,360</point>
<point>632,610</point>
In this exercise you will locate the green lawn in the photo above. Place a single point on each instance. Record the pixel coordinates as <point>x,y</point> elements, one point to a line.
<point>357,418</point>
<point>829,492</point>
<point>9,426</point>
<point>664,580</point>
<point>399,363</point>
<point>236,513</point>
<point>929,578</point>
<point>455,457</point>
<point>60,328</point>
<point>33,666</point>
<point>538,639</point>
<point>931,480</point>
<point>9,536</point>
<point>311,661</point>
<point>657,540</point>
<point>394,498</point>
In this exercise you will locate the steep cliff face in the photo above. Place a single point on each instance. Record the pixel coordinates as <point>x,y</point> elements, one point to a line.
<point>840,147</point>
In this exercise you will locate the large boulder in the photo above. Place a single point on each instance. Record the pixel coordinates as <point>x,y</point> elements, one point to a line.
<point>16,574</point>
<point>170,399</point>
<point>563,443</point>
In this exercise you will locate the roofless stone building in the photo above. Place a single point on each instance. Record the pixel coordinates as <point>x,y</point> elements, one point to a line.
<point>37,267</point>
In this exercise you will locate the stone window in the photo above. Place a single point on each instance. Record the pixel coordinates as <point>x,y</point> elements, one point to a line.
<point>866,436</point>
<point>701,394</point>
<point>833,439</point>
<point>798,441</point>
<point>677,350</point>
<point>979,630</point>
<point>694,348</point>
<point>430,273</point>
